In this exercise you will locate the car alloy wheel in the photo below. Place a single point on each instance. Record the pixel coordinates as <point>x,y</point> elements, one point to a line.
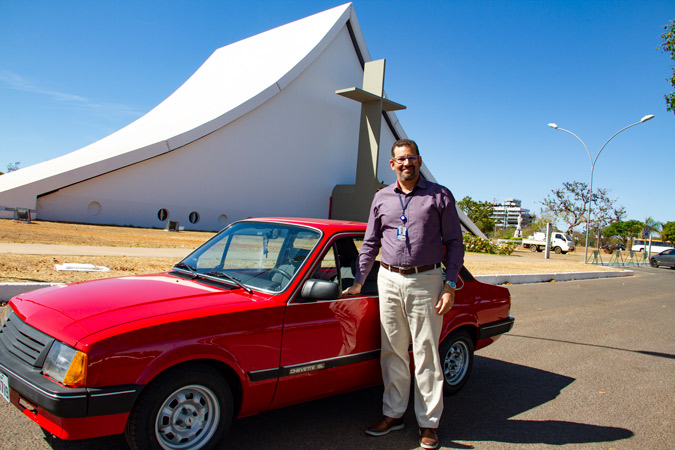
<point>187,418</point>
<point>188,408</point>
<point>456,360</point>
<point>653,263</point>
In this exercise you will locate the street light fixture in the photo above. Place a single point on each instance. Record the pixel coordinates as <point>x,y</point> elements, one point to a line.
<point>593,161</point>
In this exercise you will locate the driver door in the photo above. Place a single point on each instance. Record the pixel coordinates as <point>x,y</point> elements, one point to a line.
<point>330,346</point>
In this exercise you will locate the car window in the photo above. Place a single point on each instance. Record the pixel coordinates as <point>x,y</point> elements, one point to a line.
<point>259,255</point>
<point>338,263</point>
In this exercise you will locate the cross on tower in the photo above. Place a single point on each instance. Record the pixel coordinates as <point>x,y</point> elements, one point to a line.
<point>352,202</point>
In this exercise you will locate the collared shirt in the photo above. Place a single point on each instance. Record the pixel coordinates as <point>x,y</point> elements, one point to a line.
<point>434,233</point>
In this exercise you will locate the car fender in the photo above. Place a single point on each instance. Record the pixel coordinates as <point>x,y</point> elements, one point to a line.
<point>190,353</point>
<point>461,319</point>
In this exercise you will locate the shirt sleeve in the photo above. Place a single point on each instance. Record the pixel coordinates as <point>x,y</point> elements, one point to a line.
<point>371,245</point>
<point>452,236</point>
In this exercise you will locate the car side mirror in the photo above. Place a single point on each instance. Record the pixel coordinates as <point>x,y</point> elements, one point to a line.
<point>314,289</point>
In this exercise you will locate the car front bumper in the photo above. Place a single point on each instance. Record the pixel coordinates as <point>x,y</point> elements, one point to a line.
<point>48,403</point>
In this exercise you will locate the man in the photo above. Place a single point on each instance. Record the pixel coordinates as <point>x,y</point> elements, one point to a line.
<point>415,223</point>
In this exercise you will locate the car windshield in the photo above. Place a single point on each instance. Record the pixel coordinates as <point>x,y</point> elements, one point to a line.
<point>256,255</point>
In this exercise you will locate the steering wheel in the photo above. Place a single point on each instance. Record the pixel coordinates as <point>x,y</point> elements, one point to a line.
<point>280,272</point>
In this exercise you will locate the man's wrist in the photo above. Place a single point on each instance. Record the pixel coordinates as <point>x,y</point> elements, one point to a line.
<point>451,284</point>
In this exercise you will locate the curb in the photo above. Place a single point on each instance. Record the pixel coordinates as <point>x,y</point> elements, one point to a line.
<point>546,277</point>
<point>9,290</point>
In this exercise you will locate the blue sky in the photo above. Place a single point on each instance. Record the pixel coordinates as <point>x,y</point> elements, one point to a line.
<point>481,80</point>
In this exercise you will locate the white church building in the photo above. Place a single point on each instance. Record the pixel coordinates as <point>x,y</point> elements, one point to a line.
<point>257,130</point>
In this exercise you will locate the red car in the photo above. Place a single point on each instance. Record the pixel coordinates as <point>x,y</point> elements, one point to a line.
<point>250,321</point>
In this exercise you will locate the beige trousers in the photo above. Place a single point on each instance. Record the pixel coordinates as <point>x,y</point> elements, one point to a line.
<point>407,312</point>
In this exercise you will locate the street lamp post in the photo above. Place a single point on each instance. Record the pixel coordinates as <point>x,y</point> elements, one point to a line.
<point>593,161</point>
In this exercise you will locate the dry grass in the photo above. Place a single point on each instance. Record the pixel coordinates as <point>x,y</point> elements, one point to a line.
<point>31,268</point>
<point>41,268</point>
<point>40,232</point>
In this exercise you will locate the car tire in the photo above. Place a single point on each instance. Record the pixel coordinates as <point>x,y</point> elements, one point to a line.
<point>533,248</point>
<point>187,408</point>
<point>558,250</point>
<point>653,263</point>
<point>456,353</point>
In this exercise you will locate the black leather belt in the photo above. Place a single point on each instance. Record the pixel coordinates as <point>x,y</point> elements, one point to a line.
<point>410,270</point>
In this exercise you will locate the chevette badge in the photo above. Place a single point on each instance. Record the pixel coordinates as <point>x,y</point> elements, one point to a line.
<point>309,368</point>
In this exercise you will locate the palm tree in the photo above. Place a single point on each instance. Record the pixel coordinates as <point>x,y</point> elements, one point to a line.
<point>655,226</point>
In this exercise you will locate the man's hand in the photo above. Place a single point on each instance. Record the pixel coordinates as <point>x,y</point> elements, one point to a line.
<point>446,301</point>
<point>354,289</point>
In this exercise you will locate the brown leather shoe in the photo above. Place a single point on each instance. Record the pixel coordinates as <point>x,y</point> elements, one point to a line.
<point>428,438</point>
<point>384,426</point>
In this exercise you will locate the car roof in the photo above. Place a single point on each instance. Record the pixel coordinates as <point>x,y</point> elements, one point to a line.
<point>328,225</point>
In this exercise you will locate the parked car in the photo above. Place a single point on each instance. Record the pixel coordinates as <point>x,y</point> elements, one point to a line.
<point>250,321</point>
<point>611,248</point>
<point>665,258</point>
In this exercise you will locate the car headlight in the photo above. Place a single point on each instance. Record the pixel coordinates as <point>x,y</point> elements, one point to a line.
<point>66,365</point>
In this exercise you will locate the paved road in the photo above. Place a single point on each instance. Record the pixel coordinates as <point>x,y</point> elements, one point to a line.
<point>589,365</point>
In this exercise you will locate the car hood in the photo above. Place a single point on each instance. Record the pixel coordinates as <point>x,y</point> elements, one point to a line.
<point>74,311</point>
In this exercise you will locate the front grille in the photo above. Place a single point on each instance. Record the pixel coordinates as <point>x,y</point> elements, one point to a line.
<point>25,342</point>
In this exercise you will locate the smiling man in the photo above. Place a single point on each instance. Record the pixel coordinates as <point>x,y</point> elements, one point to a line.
<point>415,223</point>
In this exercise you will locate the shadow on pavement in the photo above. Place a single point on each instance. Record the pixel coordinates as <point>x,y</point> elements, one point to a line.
<point>496,392</point>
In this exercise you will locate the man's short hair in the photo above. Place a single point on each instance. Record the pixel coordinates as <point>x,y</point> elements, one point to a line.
<point>405,143</point>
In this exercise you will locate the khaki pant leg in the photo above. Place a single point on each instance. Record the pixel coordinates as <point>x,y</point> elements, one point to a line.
<point>395,337</point>
<point>422,292</point>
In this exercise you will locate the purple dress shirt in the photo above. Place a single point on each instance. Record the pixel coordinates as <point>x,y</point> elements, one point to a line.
<point>433,228</point>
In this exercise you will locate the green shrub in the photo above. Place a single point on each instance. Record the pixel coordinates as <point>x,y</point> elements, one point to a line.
<point>477,244</point>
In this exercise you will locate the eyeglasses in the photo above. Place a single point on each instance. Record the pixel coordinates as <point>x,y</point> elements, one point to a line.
<point>401,159</point>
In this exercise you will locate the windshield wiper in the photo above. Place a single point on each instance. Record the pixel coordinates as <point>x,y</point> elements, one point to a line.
<point>192,270</point>
<point>231,278</point>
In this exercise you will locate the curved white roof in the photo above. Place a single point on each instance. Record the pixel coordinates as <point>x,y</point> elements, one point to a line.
<point>259,66</point>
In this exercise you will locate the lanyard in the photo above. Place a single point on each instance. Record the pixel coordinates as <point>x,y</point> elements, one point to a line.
<point>404,206</point>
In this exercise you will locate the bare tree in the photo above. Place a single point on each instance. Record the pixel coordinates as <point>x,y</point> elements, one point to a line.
<point>569,205</point>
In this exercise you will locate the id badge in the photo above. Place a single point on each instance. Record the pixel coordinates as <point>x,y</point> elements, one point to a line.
<point>401,233</point>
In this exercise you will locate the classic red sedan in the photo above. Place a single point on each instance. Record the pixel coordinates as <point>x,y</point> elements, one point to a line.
<point>251,320</point>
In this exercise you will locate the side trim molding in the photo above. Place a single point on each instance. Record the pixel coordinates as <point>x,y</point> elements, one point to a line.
<point>312,366</point>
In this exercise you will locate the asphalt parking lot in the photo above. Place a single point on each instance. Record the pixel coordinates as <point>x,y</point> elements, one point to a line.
<point>588,365</point>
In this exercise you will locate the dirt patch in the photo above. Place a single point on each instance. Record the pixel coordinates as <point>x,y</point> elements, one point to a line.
<point>41,268</point>
<point>39,232</point>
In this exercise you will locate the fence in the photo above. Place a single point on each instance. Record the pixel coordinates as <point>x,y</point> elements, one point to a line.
<point>617,258</point>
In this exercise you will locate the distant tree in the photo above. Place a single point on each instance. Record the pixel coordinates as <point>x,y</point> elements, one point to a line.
<point>623,230</point>
<point>479,213</point>
<point>668,232</point>
<point>634,227</point>
<point>668,46</point>
<point>569,205</point>
<point>539,222</point>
